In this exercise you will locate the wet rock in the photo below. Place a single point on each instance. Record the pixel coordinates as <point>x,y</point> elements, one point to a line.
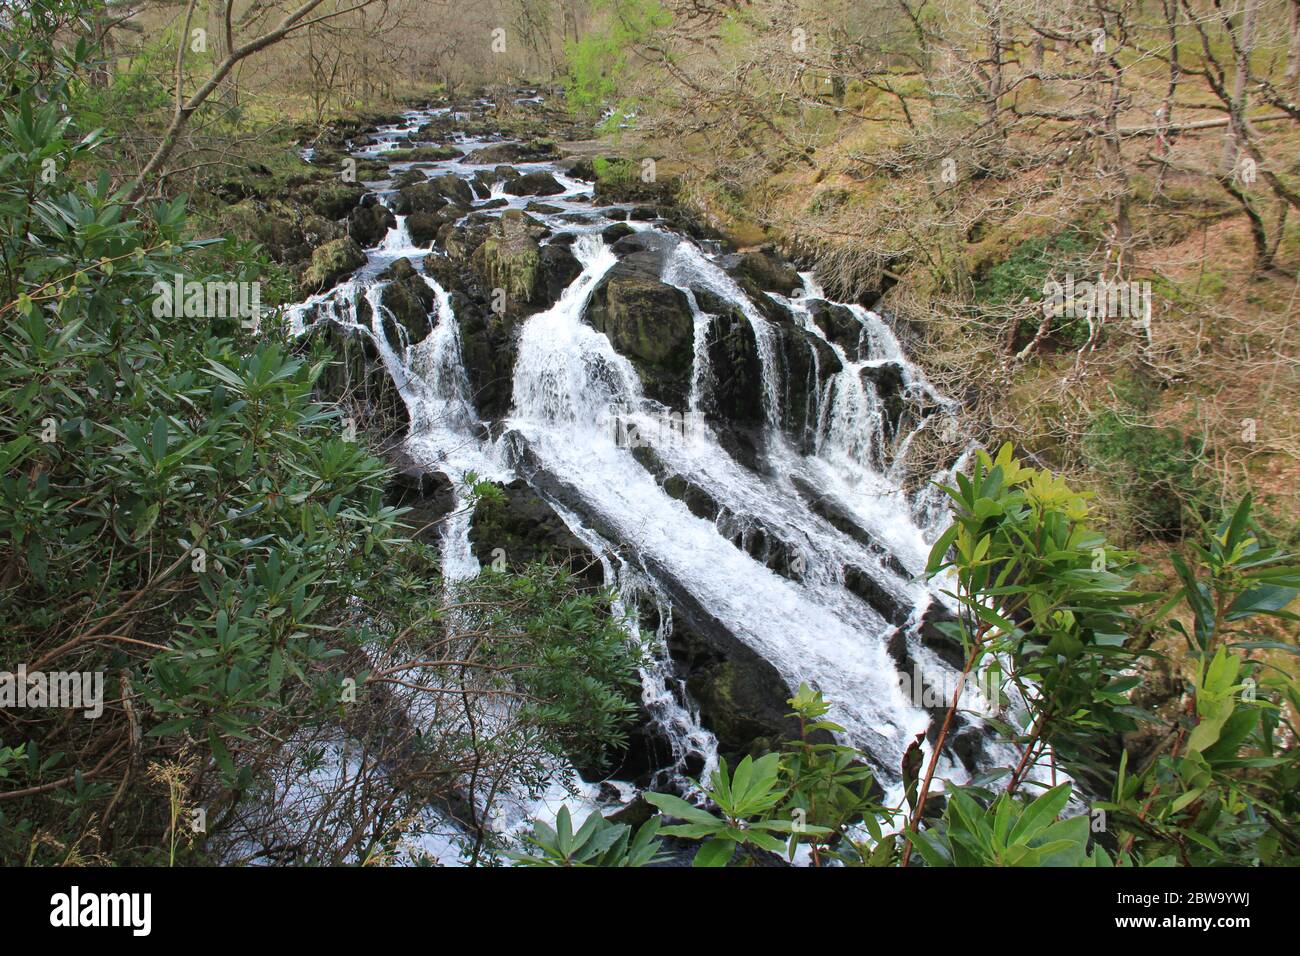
<point>735,393</point>
<point>539,183</point>
<point>655,248</point>
<point>742,698</point>
<point>887,379</point>
<point>649,322</point>
<point>578,167</point>
<point>423,227</point>
<point>891,607</point>
<point>808,362</point>
<point>838,324</point>
<point>649,459</point>
<point>485,179</point>
<point>408,178</point>
<point>840,518</point>
<point>542,208</point>
<point>443,271</point>
<point>422,197</point>
<point>399,269</point>
<point>767,270</point>
<point>370,222</point>
<point>488,351</point>
<point>460,239</point>
<point>453,188</point>
<point>533,152</point>
<point>699,502</point>
<point>409,302</point>
<point>558,268</point>
<point>526,529</point>
<point>430,496</point>
<point>745,445</point>
<point>804,363</point>
<point>648,752</point>
<point>329,264</point>
<point>937,639</point>
<point>415,193</point>
<point>637,812</point>
<point>775,312</point>
<point>612,234</point>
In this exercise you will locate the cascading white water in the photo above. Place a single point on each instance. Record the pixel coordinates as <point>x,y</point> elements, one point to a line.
<point>689,268</point>
<point>567,373</point>
<point>568,380</point>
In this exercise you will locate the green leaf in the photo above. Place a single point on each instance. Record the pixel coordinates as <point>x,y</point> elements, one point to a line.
<point>714,853</point>
<point>1040,814</point>
<point>220,752</point>
<point>677,807</point>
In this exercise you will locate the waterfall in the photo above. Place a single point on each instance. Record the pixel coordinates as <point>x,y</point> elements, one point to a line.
<point>398,242</point>
<point>567,373</point>
<point>689,267</point>
<point>798,614</point>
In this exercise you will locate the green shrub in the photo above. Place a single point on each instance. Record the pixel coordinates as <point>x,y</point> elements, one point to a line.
<point>1022,274</point>
<point>1155,470</point>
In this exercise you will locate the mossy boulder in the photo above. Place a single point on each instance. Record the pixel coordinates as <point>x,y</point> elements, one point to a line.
<point>330,263</point>
<point>422,154</point>
<point>633,189</point>
<point>516,527</point>
<point>485,179</point>
<point>453,188</point>
<point>399,269</point>
<point>443,271</point>
<point>509,258</point>
<point>459,240</point>
<point>530,152</point>
<point>421,197</point>
<point>510,264</point>
<point>838,324</point>
<point>369,222</point>
<point>328,195</point>
<point>409,300</point>
<point>612,234</point>
<point>289,233</point>
<point>423,227</point>
<point>539,183</point>
<point>767,270</point>
<point>650,323</point>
